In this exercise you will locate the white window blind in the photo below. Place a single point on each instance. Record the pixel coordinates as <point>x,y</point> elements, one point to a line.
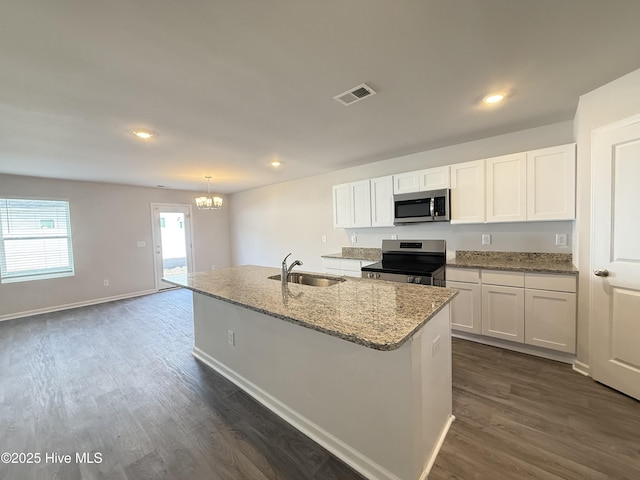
<point>35,240</point>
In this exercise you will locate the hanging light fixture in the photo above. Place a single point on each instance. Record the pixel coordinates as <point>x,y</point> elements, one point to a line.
<point>209,202</point>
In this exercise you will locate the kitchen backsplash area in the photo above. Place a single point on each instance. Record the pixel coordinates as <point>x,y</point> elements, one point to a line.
<point>502,237</point>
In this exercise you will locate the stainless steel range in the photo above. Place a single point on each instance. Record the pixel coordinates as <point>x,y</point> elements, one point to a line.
<point>410,261</point>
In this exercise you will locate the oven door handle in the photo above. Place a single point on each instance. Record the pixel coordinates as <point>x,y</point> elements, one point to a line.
<point>432,207</point>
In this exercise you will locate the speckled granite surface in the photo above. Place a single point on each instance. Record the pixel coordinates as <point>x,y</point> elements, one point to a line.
<point>377,314</point>
<point>357,253</point>
<point>515,261</point>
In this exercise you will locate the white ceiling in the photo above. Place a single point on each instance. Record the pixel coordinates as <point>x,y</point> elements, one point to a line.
<point>229,85</point>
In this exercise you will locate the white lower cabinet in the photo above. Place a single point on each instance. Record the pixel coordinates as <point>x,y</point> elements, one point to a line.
<point>550,318</point>
<point>466,312</point>
<point>529,308</point>
<point>347,267</point>
<point>466,307</point>
<point>503,312</point>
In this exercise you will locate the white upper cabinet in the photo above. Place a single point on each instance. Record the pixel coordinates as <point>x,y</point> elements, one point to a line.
<point>468,192</point>
<point>434,178</point>
<point>360,204</point>
<point>342,205</point>
<point>422,180</point>
<point>382,201</point>
<point>551,183</point>
<point>507,188</point>
<point>406,182</point>
<point>352,205</point>
<point>528,186</point>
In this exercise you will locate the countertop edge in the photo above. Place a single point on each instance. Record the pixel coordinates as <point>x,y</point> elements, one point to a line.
<point>347,257</point>
<point>384,347</point>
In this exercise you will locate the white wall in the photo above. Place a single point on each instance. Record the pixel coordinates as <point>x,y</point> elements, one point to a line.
<point>607,104</point>
<point>269,222</point>
<point>107,220</point>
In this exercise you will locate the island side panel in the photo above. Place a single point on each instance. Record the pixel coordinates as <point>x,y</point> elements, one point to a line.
<point>358,402</point>
<point>434,398</point>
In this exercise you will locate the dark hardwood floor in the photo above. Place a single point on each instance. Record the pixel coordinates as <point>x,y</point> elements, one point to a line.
<point>119,380</point>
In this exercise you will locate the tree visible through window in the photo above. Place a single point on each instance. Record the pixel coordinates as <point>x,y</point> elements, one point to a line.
<point>35,240</point>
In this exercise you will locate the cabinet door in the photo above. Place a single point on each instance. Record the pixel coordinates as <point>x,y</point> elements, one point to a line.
<point>551,183</point>
<point>342,205</point>
<point>503,312</point>
<point>434,178</point>
<point>550,320</point>
<point>507,188</point>
<point>406,182</point>
<point>466,307</point>
<point>382,202</point>
<point>360,204</point>
<point>467,192</point>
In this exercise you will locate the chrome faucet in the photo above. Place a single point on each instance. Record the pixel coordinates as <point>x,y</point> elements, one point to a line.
<point>285,271</point>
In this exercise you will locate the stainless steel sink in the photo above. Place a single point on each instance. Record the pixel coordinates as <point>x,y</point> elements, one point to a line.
<point>310,279</point>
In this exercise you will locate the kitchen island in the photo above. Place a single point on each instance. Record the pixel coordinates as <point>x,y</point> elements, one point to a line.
<point>362,367</point>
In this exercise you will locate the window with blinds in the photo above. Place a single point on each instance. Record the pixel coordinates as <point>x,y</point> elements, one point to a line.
<point>35,240</point>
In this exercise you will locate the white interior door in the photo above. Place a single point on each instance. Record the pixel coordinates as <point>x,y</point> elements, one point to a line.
<point>173,252</point>
<point>615,285</point>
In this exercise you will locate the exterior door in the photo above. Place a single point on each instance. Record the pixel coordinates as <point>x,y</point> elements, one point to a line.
<point>615,284</point>
<point>173,252</point>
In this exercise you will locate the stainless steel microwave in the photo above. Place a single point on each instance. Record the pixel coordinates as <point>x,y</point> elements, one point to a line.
<point>431,206</point>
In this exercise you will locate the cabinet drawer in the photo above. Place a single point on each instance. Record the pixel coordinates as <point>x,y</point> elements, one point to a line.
<point>471,275</point>
<point>333,271</point>
<point>350,265</point>
<point>331,263</point>
<point>497,277</point>
<point>544,281</point>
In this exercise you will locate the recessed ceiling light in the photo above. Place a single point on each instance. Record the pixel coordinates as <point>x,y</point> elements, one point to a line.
<point>144,134</point>
<point>275,163</point>
<point>493,98</point>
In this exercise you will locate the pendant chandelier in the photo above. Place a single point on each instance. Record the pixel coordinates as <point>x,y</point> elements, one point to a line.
<point>209,202</point>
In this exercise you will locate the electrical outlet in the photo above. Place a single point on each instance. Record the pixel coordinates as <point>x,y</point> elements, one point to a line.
<point>231,338</point>
<point>105,282</point>
<point>561,239</point>
<point>486,239</point>
<point>354,238</point>
<point>213,267</point>
<point>323,239</point>
<point>435,346</point>
<point>394,237</point>
<point>141,243</point>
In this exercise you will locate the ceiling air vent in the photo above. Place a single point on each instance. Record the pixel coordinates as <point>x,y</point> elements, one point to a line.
<point>355,94</point>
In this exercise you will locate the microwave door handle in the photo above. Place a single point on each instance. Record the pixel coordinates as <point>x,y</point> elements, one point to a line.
<point>432,207</point>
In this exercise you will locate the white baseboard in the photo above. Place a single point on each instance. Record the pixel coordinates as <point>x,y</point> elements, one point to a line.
<point>347,454</point>
<point>517,347</point>
<point>68,306</point>
<point>582,368</point>
<point>436,449</point>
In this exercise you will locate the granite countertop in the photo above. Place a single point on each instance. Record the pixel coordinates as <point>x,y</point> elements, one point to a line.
<point>377,314</point>
<point>515,261</point>
<point>357,253</point>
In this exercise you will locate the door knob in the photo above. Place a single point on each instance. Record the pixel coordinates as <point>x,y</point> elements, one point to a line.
<point>601,272</point>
